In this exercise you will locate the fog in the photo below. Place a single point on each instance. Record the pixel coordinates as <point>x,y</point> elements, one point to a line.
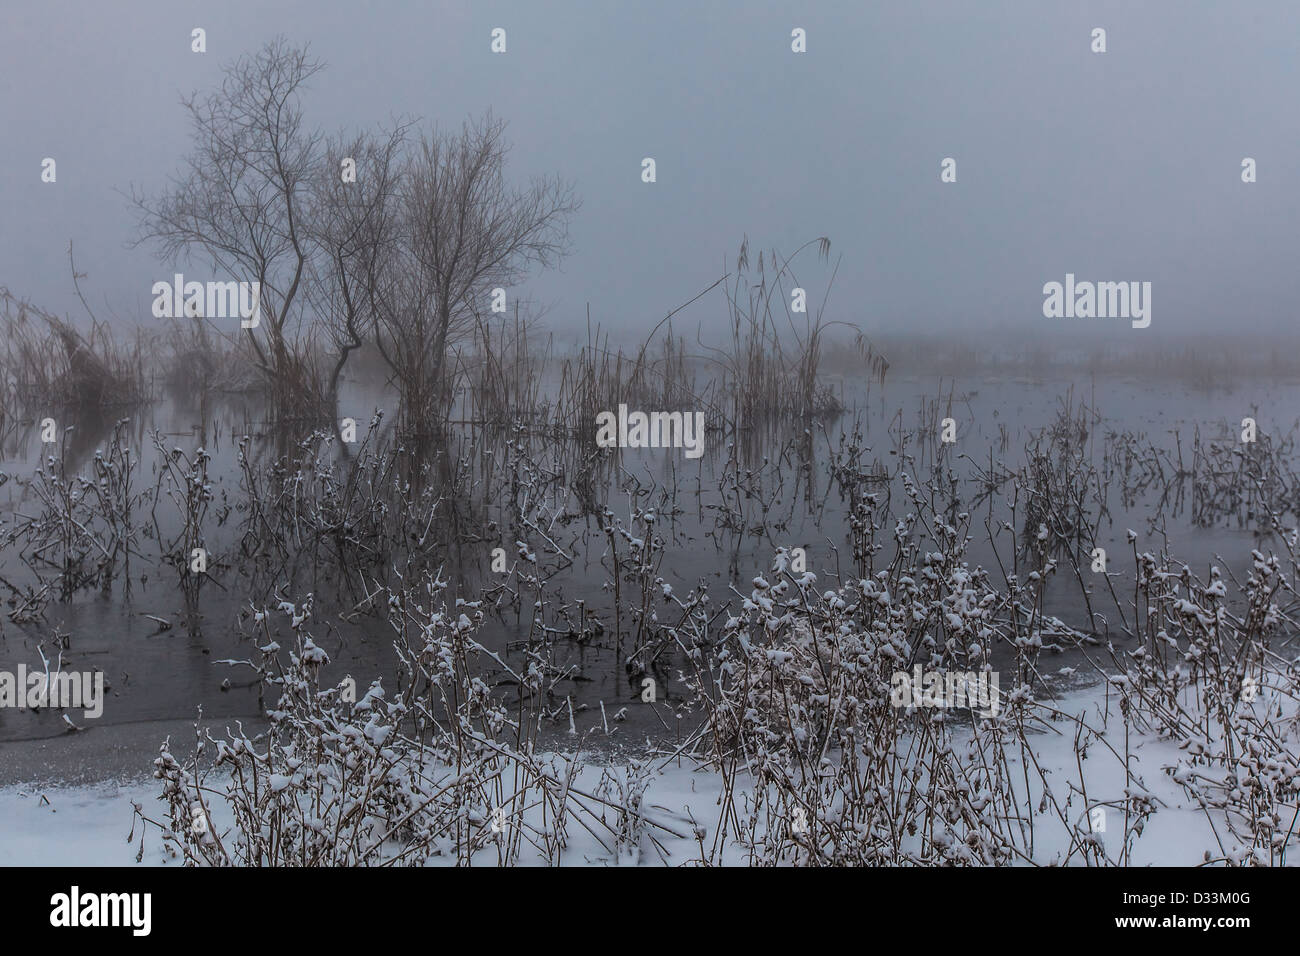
<point>1119,166</point>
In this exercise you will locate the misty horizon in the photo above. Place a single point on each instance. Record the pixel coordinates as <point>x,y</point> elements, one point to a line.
<point>1123,166</point>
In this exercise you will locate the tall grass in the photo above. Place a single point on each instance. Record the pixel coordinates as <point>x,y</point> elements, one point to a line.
<point>771,367</point>
<point>48,364</point>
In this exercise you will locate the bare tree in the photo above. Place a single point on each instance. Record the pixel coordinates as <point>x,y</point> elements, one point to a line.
<point>241,199</point>
<point>408,252</point>
<point>351,230</point>
<point>459,231</point>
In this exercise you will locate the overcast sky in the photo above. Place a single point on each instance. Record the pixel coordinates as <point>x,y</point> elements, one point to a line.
<point>1117,166</point>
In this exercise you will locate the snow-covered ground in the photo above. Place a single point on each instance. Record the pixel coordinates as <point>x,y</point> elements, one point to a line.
<point>88,825</point>
<point>83,825</point>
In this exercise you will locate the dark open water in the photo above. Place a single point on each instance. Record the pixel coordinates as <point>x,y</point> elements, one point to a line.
<point>160,676</point>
